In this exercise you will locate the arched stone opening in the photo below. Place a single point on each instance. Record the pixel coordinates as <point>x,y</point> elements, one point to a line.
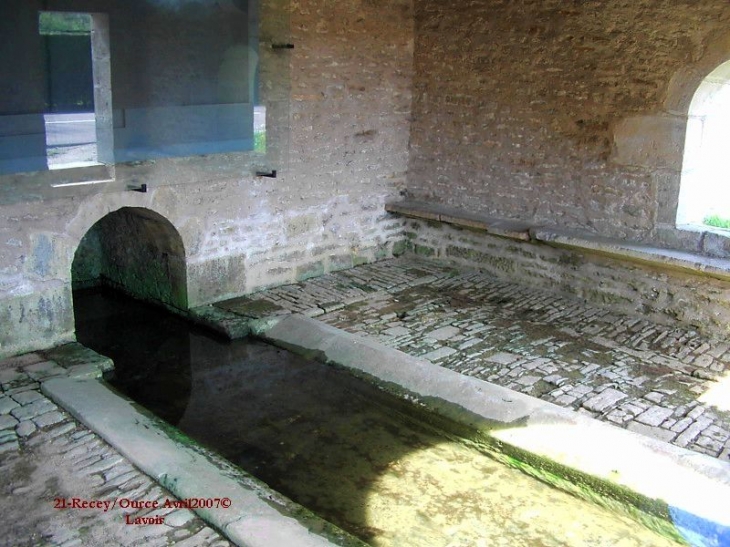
<point>705,184</point>
<point>137,251</point>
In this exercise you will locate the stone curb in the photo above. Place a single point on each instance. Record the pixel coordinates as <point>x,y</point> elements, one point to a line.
<point>689,492</point>
<point>257,516</point>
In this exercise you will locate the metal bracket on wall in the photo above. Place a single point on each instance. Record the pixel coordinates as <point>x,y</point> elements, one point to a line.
<point>271,174</point>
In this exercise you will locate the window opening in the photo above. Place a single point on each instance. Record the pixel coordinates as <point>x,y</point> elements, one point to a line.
<point>704,196</point>
<point>185,83</point>
<point>69,119</point>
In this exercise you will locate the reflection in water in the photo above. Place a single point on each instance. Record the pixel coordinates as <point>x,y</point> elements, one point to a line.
<point>334,443</point>
<point>150,347</point>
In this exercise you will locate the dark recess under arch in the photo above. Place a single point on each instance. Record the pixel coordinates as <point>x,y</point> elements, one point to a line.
<point>137,251</point>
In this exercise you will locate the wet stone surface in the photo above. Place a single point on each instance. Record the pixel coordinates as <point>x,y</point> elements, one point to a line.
<point>649,378</point>
<point>669,383</point>
<point>340,446</point>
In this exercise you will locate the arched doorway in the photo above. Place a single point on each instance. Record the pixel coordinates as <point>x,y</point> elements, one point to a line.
<point>705,183</point>
<point>137,251</point>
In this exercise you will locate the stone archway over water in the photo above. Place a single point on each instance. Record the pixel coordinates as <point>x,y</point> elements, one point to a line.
<point>136,250</point>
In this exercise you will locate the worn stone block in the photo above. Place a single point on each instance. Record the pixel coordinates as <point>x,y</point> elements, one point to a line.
<point>7,404</point>
<point>33,409</point>
<point>21,360</point>
<point>26,428</point>
<point>443,333</point>
<point>49,418</point>
<point>7,422</point>
<point>604,400</point>
<point>650,141</point>
<point>439,353</point>
<point>504,358</point>
<point>43,370</point>
<point>656,432</point>
<point>73,354</point>
<point>27,397</point>
<point>654,416</point>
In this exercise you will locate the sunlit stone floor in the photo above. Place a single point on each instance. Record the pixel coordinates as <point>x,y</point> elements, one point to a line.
<point>666,382</point>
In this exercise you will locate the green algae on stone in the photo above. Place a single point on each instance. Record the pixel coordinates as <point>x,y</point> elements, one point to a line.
<point>312,269</point>
<point>225,322</point>
<point>399,247</point>
<point>249,307</point>
<point>73,354</point>
<point>423,250</point>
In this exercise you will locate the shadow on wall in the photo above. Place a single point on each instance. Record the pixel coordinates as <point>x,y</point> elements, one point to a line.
<point>135,250</point>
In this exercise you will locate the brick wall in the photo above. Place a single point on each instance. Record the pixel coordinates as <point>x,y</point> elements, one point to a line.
<point>567,113</point>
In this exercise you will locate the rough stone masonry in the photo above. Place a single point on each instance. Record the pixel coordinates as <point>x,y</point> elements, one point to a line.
<point>565,113</point>
<point>338,107</point>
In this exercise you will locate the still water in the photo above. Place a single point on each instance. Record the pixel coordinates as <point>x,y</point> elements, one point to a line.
<point>331,442</point>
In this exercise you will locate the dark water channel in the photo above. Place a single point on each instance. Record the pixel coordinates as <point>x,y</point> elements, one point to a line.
<point>319,436</point>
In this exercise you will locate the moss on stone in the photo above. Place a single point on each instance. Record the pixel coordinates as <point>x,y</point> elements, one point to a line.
<point>340,262</point>
<point>423,250</point>
<point>400,247</point>
<point>249,307</point>
<point>73,354</point>
<point>359,260</point>
<point>382,252</point>
<point>220,320</point>
<point>312,269</point>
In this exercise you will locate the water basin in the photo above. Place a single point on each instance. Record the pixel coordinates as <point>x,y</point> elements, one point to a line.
<point>332,442</point>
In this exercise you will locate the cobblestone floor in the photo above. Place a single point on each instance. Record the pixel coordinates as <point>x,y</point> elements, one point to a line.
<point>636,374</point>
<point>653,379</point>
<point>50,465</point>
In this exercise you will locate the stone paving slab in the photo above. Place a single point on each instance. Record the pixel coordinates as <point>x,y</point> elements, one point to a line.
<point>666,382</point>
<point>52,465</point>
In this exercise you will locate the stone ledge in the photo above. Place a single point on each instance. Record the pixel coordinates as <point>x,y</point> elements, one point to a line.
<point>669,488</point>
<point>256,515</point>
<point>718,268</point>
<point>511,229</point>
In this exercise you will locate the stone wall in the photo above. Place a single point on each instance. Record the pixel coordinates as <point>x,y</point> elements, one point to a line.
<point>343,154</point>
<point>648,293</point>
<point>565,113</point>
